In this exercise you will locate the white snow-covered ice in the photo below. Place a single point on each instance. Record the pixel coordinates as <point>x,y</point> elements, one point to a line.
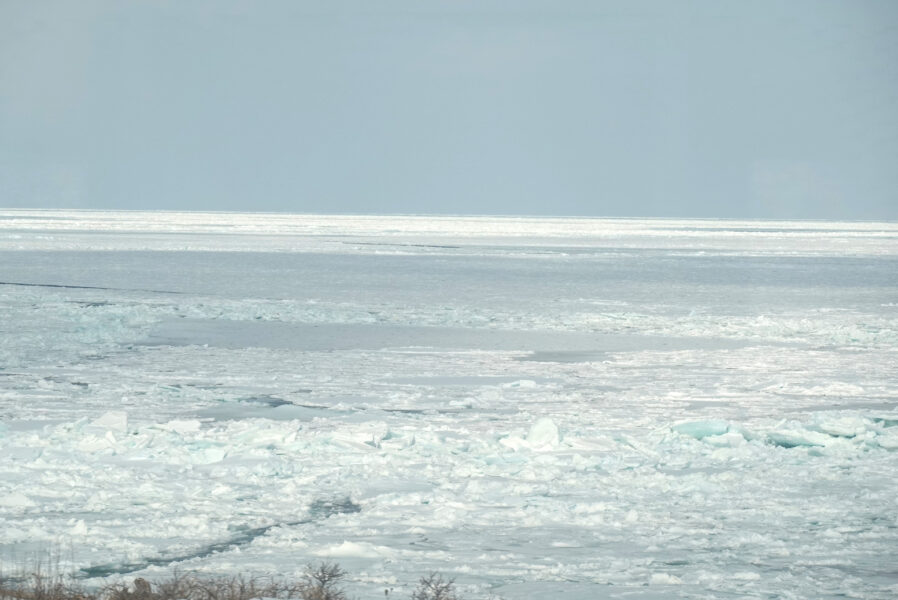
<point>596,408</point>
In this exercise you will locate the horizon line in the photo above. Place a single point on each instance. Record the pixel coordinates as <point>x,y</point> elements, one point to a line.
<point>444,215</point>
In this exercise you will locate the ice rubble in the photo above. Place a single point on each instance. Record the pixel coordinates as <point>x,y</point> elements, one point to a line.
<point>203,473</point>
<point>543,435</point>
<point>823,430</point>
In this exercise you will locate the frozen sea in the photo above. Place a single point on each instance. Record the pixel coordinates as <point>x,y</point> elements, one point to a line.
<point>537,407</point>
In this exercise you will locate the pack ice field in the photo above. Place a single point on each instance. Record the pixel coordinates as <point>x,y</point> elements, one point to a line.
<point>601,408</point>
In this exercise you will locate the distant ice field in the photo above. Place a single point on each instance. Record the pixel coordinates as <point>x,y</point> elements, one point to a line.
<point>596,408</point>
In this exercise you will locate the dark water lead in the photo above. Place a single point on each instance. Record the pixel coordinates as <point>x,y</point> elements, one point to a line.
<point>87,287</point>
<point>319,510</point>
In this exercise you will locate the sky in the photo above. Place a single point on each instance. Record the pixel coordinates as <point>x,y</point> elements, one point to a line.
<point>717,109</point>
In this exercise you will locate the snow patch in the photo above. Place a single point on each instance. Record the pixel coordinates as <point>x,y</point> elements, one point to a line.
<point>354,549</point>
<point>180,426</point>
<point>16,500</point>
<point>665,579</point>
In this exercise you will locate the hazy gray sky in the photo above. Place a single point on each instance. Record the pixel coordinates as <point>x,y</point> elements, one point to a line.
<point>632,108</point>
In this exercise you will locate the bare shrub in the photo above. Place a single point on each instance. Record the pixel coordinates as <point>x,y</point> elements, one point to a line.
<point>322,582</point>
<point>193,587</point>
<point>42,586</point>
<point>434,587</point>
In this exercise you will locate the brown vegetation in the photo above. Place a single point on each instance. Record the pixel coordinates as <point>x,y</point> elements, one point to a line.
<point>319,582</point>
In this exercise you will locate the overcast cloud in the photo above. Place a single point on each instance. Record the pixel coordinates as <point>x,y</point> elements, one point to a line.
<point>706,109</point>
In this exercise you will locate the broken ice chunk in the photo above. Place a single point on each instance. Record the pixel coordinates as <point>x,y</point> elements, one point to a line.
<point>793,438</point>
<point>114,420</point>
<point>842,427</point>
<point>543,434</point>
<point>702,429</point>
